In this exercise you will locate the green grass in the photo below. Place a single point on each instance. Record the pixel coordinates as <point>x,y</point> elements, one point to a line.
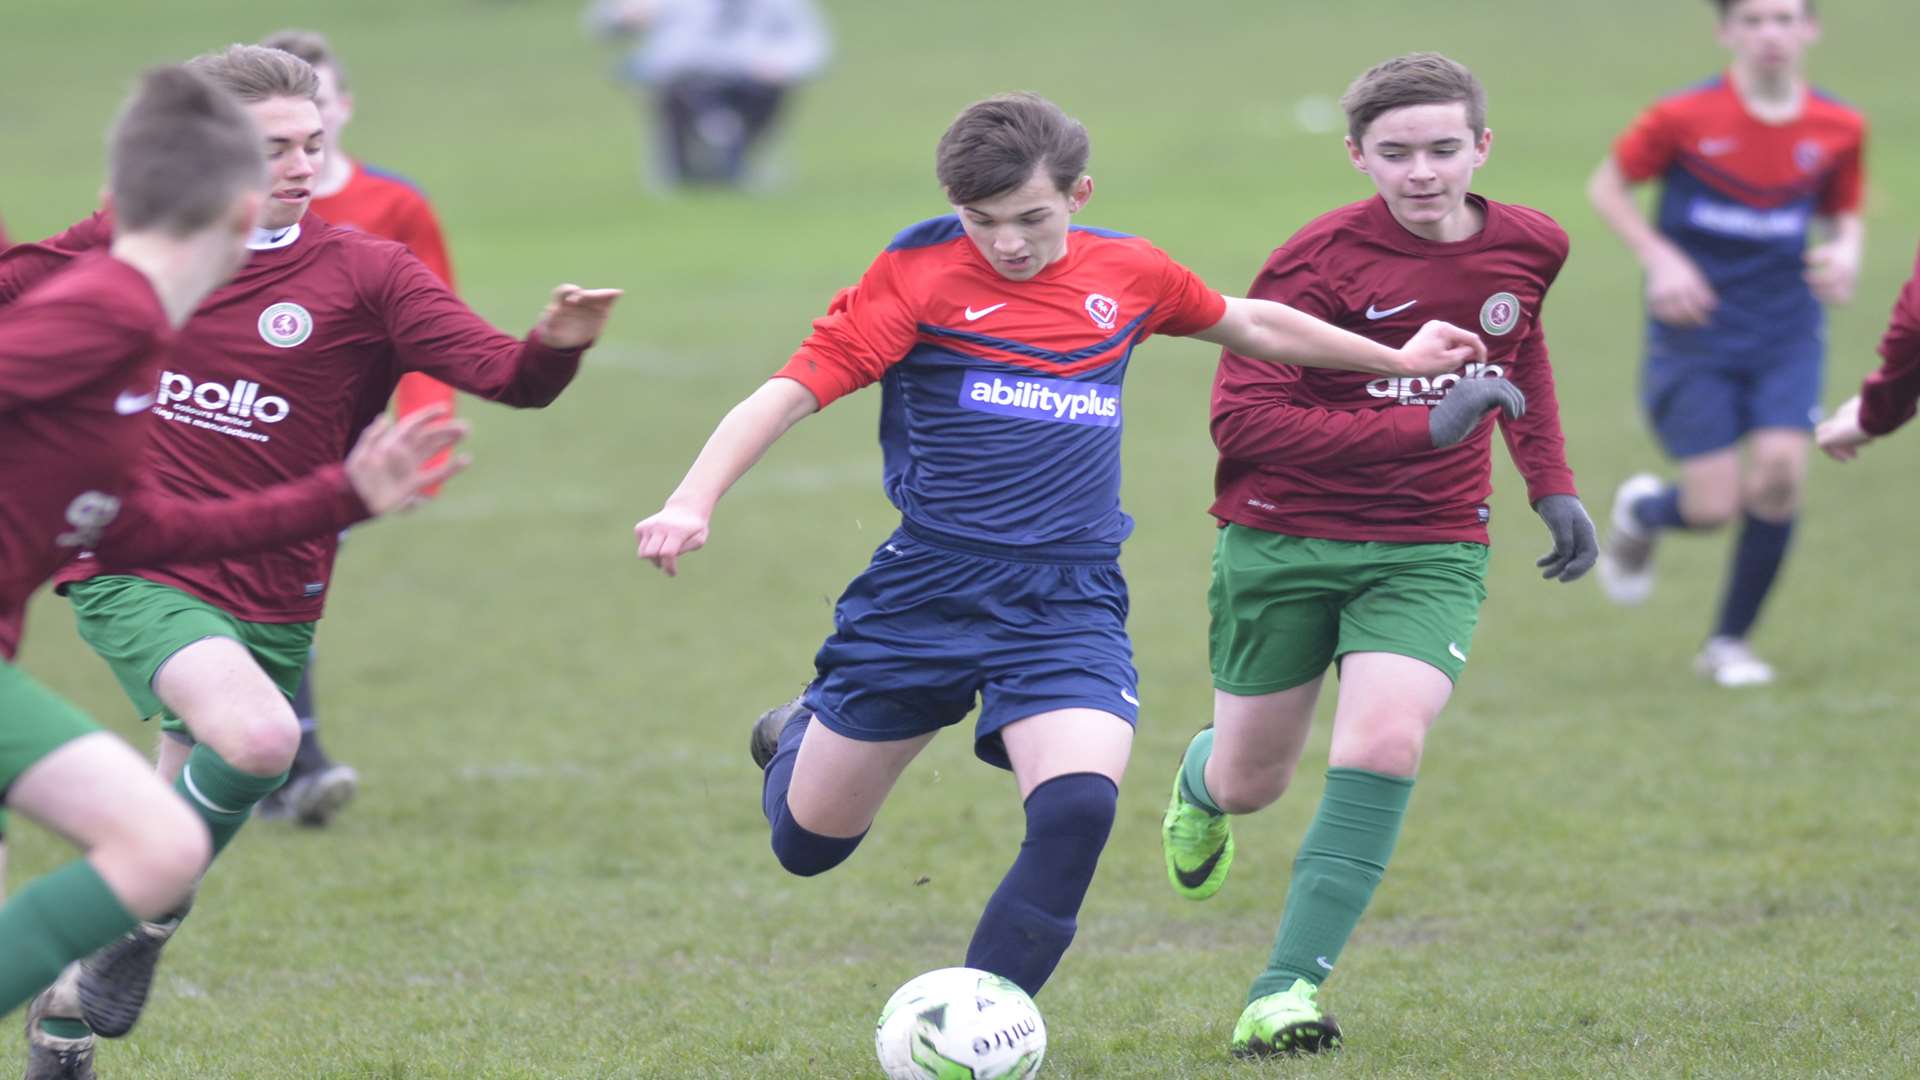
<point>557,867</point>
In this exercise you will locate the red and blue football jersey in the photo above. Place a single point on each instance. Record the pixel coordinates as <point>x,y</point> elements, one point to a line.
<point>1000,410</point>
<point>1739,195</point>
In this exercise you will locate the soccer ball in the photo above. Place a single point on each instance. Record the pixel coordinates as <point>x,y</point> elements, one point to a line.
<point>960,1024</point>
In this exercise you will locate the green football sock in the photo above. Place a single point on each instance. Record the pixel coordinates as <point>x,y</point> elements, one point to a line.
<point>221,794</point>
<point>54,921</point>
<point>1342,858</point>
<point>1193,772</point>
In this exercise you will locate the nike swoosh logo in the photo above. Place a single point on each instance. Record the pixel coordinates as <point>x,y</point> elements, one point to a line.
<point>1376,313</point>
<point>1454,648</point>
<point>1196,877</point>
<point>985,311</point>
<point>1129,699</point>
<point>1322,961</point>
<point>129,402</point>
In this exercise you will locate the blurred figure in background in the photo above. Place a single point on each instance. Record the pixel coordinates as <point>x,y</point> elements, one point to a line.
<point>717,71</point>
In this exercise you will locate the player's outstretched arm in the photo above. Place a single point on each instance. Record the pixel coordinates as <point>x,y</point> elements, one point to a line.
<point>387,470</point>
<point>575,316</point>
<point>742,436</point>
<point>1265,330</point>
<point>1677,292</point>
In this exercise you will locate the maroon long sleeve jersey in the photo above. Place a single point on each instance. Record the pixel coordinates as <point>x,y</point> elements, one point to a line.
<point>1888,397</point>
<point>80,363</point>
<point>1347,456</point>
<point>278,372</point>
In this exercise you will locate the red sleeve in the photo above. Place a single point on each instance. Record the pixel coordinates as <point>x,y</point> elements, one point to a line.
<point>1256,417</point>
<point>38,366</point>
<point>23,266</point>
<point>1888,397</point>
<point>1843,191</point>
<point>1535,441</point>
<point>420,231</point>
<point>867,329</point>
<point>434,331</point>
<point>157,528</point>
<point>1647,148</point>
<point>1185,304</point>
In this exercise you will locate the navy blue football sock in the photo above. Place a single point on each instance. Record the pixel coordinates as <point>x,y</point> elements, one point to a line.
<point>799,850</point>
<point>1757,556</point>
<point>1661,511</point>
<point>1030,919</point>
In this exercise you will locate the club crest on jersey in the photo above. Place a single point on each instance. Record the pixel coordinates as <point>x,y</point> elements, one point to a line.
<point>1500,313</point>
<point>1103,310</point>
<point>1809,155</point>
<point>285,324</point>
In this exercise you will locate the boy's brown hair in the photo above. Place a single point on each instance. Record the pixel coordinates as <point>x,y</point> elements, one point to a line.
<point>255,73</point>
<point>1421,78</point>
<point>179,154</point>
<point>995,145</point>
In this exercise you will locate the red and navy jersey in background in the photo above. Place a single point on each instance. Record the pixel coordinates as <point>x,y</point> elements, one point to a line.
<point>1000,408</point>
<point>1739,195</point>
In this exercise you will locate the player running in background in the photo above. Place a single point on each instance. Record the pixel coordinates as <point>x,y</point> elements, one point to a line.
<point>1886,400</point>
<point>1000,336</point>
<point>351,194</point>
<point>275,374</point>
<point>80,361</point>
<point>1354,519</point>
<point>1749,163</point>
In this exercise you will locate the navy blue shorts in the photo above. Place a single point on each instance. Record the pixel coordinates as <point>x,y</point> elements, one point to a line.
<point>934,621</point>
<point>1701,401</point>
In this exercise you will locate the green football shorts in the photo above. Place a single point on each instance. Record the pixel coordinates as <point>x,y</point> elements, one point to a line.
<point>1284,607</point>
<point>136,625</point>
<point>34,722</point>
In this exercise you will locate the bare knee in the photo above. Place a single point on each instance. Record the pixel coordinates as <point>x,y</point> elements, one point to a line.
<point>264,746</point>
<point>1710,508</point>
<point>1243,792</point>
<point>1773,490</point>
<point>1392,749</point>
<point>156,858</point>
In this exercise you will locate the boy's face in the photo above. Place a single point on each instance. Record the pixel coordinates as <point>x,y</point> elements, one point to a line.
<point>294,140</point>
<point>1421,158</point>
<point>1768,36</point>
<point>1019,232</point>
<point>336,105</point>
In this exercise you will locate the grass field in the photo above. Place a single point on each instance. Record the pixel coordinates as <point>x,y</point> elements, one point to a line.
<point>557,866</point>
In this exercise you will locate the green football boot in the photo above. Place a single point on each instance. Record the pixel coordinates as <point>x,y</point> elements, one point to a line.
<point>1285,1023</point>
<point>1198,847</point>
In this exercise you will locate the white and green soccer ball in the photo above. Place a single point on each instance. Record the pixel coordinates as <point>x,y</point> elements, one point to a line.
<point>960,1024</point>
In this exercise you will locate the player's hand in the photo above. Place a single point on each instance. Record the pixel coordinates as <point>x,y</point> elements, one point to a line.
<point>575,316</point>
<point>389,464</point>
<point>1841,435</point>
<point>669,534</point>
<point>1832,270</point>
<point>1441,347</point>
<point>1574,545</point>
<point>1466,402</point>
<point>1677,292</point>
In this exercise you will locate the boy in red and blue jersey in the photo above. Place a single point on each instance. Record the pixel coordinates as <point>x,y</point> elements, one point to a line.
<point>1750,163</point>
<point>1000,337</point>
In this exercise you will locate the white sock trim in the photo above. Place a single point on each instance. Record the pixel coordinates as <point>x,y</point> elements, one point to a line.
<point>186,774</point>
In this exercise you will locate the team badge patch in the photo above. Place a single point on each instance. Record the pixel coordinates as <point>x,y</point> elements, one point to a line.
<point>1809,155</point>
<point>1500,313</point>
<point>285,325</point>
<point>1103,310</point>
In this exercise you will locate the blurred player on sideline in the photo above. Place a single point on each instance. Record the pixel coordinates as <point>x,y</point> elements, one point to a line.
<point>1886,400</point>
<point>1000,335</point>
<point>81,357</point>
<point>1354,519</point>
<point>1750,163</point>
<point>352,194</point>
<point>275,374</point>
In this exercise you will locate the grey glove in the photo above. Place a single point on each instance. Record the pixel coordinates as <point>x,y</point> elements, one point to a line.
<point>1574,545</point>
<point>1466,402</point>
